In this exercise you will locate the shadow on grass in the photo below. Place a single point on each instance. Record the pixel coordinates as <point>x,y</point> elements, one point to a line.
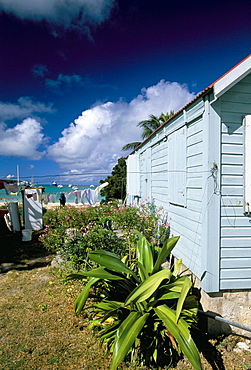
<point>210,353</point>
<point>18,254</point>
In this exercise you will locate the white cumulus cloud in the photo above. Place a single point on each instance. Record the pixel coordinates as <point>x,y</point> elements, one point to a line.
<point>94,140</point>
<point>23,140</point>
<point>62,12</point>
<point>23,108</point>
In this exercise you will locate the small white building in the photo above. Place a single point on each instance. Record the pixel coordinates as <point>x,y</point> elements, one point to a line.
<point>197,166</point>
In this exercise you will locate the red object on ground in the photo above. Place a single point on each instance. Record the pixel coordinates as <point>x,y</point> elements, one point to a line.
<point>3,212</point>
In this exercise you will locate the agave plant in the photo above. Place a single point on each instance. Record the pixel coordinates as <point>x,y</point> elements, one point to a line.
<point>143,310</point>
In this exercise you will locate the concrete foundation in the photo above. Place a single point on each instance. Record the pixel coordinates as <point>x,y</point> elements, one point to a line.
<point>230,305</point>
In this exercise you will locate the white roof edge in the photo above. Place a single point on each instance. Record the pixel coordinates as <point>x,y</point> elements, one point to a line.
<point>232,77</point>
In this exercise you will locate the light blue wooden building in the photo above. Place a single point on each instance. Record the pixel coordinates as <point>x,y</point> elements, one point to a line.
<point>197,166</point>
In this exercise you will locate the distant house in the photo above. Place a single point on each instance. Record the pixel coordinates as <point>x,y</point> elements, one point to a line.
<point>197,166</point>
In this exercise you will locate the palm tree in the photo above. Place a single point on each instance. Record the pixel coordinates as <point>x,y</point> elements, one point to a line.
<point>149,126</point>
<point>131,146</point>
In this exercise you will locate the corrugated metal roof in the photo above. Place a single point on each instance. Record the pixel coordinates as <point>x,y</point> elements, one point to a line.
<point>205,91</point>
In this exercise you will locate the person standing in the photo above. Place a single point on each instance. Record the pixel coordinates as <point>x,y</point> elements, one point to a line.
<point>62,199</point>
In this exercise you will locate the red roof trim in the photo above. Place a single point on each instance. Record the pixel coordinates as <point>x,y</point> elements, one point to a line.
<point>230,70</point>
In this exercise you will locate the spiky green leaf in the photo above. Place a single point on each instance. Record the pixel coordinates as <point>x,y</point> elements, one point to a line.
<point>148,287</point>
<point>177,267</point>
<point>170,295</point>
<point>102,273</point>
<point>165,252</point>
<point>183,295</point>
<point>108,305</point>
<point>126,335</point>
<point>110,261</point>
<point>181,333</point>
<point>82,298</point>
<point>142,272</point>
<point>108,334</point>
<point>144,252</point>
<point>176,286</point>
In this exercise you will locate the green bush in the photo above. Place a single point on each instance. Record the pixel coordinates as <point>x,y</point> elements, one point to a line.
<point>78,244</point>
<point>142,311</point>
<point>108,226</point>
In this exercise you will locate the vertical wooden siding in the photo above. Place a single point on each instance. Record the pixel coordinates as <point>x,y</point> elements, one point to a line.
<point>186,221</point>
<point>145,175</point>
<point>159,183</point>
<point>235,264</point>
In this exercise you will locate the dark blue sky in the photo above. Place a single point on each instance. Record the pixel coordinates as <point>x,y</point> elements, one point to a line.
<point>75,82</point>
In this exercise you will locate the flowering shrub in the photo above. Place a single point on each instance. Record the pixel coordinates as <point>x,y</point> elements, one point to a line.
<point>74,231</point>
<point>75,249</point>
